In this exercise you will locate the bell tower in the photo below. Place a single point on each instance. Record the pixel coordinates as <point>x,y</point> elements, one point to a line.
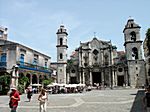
<point>133,48</point>
<point>61,54</point>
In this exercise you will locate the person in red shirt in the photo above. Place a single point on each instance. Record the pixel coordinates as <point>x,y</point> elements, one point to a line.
<point>14,98</point>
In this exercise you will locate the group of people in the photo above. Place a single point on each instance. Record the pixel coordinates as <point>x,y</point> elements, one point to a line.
<point>43,98</point>
<point>15,98</point>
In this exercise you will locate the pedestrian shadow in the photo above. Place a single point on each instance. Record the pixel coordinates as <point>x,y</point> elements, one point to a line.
<point>137,105</point>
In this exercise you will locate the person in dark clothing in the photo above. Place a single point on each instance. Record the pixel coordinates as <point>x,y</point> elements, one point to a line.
<point>29,93</point>
<point>146,99</point>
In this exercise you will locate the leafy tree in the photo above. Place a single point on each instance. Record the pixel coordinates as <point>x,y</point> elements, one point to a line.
<point>47,82</point>
<point>22,83</point>
<point>23,80</point>
<point>5,83</point>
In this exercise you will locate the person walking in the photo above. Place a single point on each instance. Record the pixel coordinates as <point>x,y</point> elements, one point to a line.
<point>29,93</point>
<point>14,98</point>
<point>43,100</point>
<point>146,99</point>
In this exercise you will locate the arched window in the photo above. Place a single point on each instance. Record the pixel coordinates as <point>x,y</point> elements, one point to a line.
<point>22,59</point>
<point>134,53</point>
<point>133,36</point>
<point>46,64</point>
<point>61,41</point>
<point>34,79</point>
<point>61,56</point>
<point>3,57</point>
<point>35,61</point>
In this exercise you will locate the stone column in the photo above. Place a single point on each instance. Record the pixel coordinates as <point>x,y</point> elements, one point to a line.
<point>80,77</point>
<point>102,77</point>
<point>37,79</point>
<point>83,78</point>
<point>113,78</point>
<point>91,78</point>
<point>30,79</point>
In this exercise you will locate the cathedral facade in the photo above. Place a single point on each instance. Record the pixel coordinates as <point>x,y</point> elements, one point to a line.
<point>98,61</point>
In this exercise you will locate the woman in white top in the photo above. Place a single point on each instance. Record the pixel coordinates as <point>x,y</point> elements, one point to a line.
<point>43,99</point>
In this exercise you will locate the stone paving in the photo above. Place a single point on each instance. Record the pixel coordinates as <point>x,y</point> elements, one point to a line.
<point>117,100</point>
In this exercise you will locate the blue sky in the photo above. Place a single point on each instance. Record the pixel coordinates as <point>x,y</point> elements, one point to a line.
<point>34,23</point>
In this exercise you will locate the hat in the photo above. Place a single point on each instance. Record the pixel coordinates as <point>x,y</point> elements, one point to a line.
<point>13,88</point>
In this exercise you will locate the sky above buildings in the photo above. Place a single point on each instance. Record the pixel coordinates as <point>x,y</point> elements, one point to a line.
<point>34,23</point>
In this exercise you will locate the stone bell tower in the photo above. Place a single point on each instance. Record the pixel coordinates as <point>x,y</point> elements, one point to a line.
<point>133,44</point>
<point>61,54</point>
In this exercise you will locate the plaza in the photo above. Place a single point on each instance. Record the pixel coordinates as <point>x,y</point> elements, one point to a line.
<point>116,100</point>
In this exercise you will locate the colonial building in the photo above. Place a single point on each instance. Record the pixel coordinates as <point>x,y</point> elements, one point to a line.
<point>31,63</point>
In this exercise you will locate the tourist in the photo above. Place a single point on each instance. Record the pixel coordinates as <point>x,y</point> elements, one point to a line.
<point>43,100</point>
<point>14,98</point>
<point>29,93</point>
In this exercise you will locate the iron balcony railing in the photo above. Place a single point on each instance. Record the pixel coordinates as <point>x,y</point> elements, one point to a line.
<point>30,66</point>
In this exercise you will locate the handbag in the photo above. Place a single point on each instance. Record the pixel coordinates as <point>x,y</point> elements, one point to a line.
<point>10,104</point>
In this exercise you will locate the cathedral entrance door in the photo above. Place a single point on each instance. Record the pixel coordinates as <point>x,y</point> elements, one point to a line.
<point>73,80</point>
<point>120,80</point>
<point>96,77</point>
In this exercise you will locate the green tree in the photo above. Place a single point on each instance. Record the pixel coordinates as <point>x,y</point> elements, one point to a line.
<point>22,83</point>
<point>5,83</point>
<point>47,82</point>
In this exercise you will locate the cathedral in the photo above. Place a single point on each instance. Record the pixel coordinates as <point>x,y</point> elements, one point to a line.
<point>98,61</point>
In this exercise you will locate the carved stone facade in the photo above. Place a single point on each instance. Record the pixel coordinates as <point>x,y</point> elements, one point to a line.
<point>146,48</point>
<point>98,62</point>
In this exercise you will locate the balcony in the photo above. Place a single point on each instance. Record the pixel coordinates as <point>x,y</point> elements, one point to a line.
<point>29,66</point>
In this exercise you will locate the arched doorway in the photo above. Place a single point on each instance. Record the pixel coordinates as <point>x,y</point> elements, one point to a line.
<point>34,79</point>
<point>96,77</point>
<point>120,80</point>
<point>40,79</point>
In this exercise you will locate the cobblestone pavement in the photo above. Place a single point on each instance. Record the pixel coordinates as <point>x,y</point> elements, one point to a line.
<point>117,100</point>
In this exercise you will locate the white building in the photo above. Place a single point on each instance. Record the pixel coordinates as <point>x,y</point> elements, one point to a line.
<point>31,63</point>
